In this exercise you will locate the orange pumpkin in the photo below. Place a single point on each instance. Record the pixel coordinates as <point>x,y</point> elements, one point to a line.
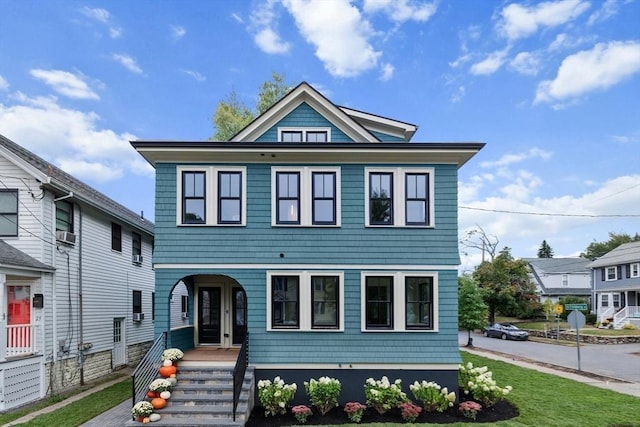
<point>151,394</point>
<point>158,403</point>
<point>167,371</point>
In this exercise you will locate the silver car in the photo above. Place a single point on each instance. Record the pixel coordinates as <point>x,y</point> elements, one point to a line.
<point>506,331</point>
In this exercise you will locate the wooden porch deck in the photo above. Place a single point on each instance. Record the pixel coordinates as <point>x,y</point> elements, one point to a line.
<point>213,355</point>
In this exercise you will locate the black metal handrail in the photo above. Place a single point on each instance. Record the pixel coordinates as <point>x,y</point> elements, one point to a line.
<point>238,372</point>
<point>147,369</point>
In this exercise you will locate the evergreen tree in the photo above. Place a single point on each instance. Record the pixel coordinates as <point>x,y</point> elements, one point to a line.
<point>545,250</point>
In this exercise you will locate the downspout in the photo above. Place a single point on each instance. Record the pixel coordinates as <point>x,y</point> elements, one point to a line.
<point>80,303</point>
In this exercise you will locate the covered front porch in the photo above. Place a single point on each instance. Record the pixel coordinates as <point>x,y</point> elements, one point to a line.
<point>619,308</point>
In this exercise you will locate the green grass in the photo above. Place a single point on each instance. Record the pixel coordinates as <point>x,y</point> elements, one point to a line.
<point>542,399</point>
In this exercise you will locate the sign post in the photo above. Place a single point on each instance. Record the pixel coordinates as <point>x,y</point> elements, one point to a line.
<point>558,310</point>
<point>577,320</point>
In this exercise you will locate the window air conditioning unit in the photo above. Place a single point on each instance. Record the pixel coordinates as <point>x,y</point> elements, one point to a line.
<point>137,259</point>
<point>138,317</point>
<point>66,237</point>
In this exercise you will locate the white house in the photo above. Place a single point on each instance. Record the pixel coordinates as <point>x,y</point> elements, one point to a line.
<point>556,278</point>
<point>76,280</point>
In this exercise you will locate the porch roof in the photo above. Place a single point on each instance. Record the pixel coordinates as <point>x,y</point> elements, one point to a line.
<point>14,259</point>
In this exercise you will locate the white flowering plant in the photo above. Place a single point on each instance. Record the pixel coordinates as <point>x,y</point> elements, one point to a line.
<point>433,396</point>
<point>142,409</point>
<point>160,384</point>
<point>383,395</point>
<point>323,393</point>
<point>275,395</point>
<point>173,354</point>
<point>479,382</point>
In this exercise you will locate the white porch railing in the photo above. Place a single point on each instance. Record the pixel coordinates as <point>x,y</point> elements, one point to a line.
<point>609,312</point>
<point>622,316</point>
<point>21,340</point>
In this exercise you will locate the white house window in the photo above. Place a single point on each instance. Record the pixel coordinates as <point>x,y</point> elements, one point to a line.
<point>605,300</point>
<point>611,273</point>
<point>64,216</point>
<point>8,213</point>
<point>304,134</point>
<point>616,300</point>
<point>634,269</point>
<point>211,195</point>
<point>565,280</point>
<point>308,301</point>
<point>400,197</point>
<point>305,196</point>
<point>399,302</point>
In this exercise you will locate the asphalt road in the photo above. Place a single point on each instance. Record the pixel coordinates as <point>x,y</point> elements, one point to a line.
<point>618,361</point>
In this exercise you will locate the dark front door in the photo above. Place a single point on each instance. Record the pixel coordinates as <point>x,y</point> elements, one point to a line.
<point>239,315</point>
<point>209,318</point>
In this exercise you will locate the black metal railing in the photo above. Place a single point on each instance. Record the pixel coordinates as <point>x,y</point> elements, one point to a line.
<point>238,372</point>
<point>147,369</point>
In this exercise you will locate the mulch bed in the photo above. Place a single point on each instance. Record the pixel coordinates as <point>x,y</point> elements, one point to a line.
<point>502,410</point>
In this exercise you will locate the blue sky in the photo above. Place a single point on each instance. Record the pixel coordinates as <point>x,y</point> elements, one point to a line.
<point>552,88</point>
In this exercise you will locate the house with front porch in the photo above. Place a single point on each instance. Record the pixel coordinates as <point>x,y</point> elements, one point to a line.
<point>321,238</point>
<point>616,290</point>
<point>76,280</point>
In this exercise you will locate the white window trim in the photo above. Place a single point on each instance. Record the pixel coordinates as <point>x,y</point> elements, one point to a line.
<point>305,302</point>
<point>399,214</point>
<point>306,196</point>
<point>399,301</point>
<point>304,131</point>
<point>211,194</point>
<point>634,270</point>
<point>606,274</point>
<point>604,300</point>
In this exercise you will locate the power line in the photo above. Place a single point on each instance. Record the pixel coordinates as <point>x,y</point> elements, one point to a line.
<point>554,214</point>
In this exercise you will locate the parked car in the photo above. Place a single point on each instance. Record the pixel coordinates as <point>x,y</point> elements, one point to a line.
<point>506,331</point>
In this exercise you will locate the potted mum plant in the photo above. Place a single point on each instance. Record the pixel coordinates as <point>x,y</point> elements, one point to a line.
<point>142,410</point>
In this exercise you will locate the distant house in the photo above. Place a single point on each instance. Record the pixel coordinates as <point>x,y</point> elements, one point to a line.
<point>321,236</point>
<point>556,278</point>
<point>616,290</point>
<point>76,280</point>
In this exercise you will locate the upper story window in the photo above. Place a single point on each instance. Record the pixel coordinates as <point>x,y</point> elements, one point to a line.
<point>305,196</point>
<point>211,195</point>
<point>399,302</point>
<point>401,197</point>
<point>136,245</point>
<point>8,213</point>
<point>116,237</point>
<point>565,280</point>
<point>611,274</point>
<point>64,216</point>
<point>304,134</point>
<point>634,270</point>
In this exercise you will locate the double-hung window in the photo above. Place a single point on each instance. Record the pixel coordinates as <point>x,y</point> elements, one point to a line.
<point>634,269</point>
<point>308,301</point>
<point>611,274</point>
<point>286,134</point>
<point>8,213</point>
<point>399,302</point>
<point>306,196</point>
<point>399,197</point>
<point>211,195</point>
<point>64,216</point>
<point>116,237</point>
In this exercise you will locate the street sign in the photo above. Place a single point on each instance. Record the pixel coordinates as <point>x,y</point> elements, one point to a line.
<point>557,309</point>
<point>575,307</point>
<point>576,319</point>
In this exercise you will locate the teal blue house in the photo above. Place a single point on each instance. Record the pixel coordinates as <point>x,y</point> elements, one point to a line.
<point>320,235</point>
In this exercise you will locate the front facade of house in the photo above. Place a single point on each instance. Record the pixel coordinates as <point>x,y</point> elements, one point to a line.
<point>76,280</point>
<point>321,236</point>
<point>556,278</point>
<point>616,278</point>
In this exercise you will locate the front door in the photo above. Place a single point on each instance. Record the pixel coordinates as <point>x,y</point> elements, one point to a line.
<point>209,315</point>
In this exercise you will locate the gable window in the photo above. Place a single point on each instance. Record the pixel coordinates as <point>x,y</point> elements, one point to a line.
<point>565,280</point>
<point>399,302</point>
<point>611,274</point>
<point>304,134</point>
<point>116,237</point>
<point>211,195</point>
<point>308,301</point>
<point>8,213</point>
<point>400,197</point>
<point>64,216</point>
<point>634,270</point>
<point>306,196</point>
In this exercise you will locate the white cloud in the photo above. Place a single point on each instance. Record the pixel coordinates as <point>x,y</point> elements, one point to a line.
<point>70,139</point>
<point>128,62</point>
<point>177,32</point>
<point>65,83</point>
<point>627,139</point>
<point>104,17</point>
<point>519,21</point>
<point>589,70</point>
<point>513,158</point>
<point>402,10</point>
<point>490,64</point>
<point>387,72</point>
<point>237,18</point>
<point>459,94</point>
<point>264,28</point>
<point>270,42</point>
<point>196,75</point>
<point>609,8</point>
<point>526,63</point>
<point>4,84</point>
<point>339,33</point>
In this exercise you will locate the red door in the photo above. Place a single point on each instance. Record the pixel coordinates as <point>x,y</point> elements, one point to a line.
<point>19,313</point>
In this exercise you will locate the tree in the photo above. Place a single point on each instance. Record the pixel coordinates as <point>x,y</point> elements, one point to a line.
<point>232,115</point>
<point>507,287</point>
<point>477,238</point>
<point>545,250</point>
<point>597,249</point>
<point>472,311</point>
